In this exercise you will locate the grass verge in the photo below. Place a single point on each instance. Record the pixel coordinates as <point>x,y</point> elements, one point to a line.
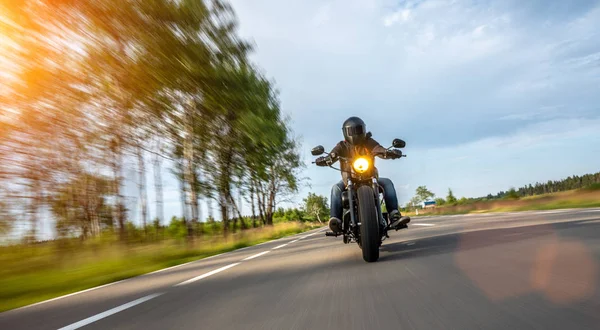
<point>31,274</point>
<point>584,198</point>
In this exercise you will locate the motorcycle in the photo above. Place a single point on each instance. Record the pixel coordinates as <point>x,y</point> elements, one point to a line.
<point>363,220</point>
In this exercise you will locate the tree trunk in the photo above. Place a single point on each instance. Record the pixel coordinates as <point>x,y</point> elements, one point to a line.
<point>224,214</point>
<point>239,207</point>
<point>94,205</point>
<point>261,206</point>
<point>225,187</point>
<point>158,188</point>
<point>252,204</point>
<point>238,213</point>
<point>142,188</point>
<point>34,206</point>
<point>119,210</point>
<point>271,204</point>
<point>182,195</point>
<point>188,156</point>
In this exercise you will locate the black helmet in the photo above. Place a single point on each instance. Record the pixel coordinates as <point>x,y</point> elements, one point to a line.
<point>355,130</point>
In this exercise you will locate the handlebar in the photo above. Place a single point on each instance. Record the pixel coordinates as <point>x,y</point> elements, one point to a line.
<point>329,159</point>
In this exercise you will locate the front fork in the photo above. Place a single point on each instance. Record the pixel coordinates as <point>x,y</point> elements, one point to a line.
<point>351,204</point>
<point>378,203</point>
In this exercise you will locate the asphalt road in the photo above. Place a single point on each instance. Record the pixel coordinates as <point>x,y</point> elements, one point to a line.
<point>534,270</point>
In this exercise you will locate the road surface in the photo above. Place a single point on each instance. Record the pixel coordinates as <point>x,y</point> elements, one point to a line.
<point>532,270</point>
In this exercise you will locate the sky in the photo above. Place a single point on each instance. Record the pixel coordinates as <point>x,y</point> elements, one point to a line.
<point>488,95</point>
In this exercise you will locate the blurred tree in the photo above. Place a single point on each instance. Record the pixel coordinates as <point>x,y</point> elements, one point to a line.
<point>316,205</point>
<point>78,205</point>
<point>92,83</point>
<point>450,199</point>
<point>512,194</point>
<point>423,194</point>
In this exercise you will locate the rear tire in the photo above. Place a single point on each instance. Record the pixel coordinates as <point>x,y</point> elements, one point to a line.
<point>369,229</point>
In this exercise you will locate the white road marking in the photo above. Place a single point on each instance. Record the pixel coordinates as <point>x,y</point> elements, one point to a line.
<point>294,241</point>
<point>279,247</point>
<point>207,274</point>
<point>177,266</point>
<point>587,222</point>
<point>423,224</point>
<point>410,243</point>
<point>109,312</point>
<point>256,255</point>
<point>550,212</point>
<point>71,294</point>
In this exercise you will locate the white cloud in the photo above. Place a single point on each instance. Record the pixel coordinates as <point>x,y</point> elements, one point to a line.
<point>402,15</point>
<point>479,31</point>
<point>323,15</point>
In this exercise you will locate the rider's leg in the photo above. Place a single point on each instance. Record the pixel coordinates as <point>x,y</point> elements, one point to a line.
<point>391,203</point>
<point>335,222</point>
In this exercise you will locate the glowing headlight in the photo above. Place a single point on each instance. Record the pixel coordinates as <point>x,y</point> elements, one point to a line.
<point>361,165</point>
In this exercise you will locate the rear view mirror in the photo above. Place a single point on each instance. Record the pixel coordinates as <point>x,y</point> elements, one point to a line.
<point>317,151</point>
<point>398,143</point>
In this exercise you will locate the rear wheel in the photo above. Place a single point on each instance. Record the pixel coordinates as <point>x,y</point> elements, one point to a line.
<point>369,229</point>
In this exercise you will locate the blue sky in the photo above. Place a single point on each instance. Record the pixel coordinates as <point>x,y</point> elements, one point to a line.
<point>488,95</point>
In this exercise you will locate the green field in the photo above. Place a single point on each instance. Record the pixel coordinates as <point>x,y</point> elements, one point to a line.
<point>583,198</point>
<point>33,273</point>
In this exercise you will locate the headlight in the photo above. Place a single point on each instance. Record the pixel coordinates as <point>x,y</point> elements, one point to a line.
<point>361,165</point>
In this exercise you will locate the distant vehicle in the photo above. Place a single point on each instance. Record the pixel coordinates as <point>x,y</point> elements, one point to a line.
<point>429,204</point>
<point>363,221</point>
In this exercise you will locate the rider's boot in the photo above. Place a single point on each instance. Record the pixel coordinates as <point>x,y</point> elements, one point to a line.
<point>335,225</point>
<point>397,221</point>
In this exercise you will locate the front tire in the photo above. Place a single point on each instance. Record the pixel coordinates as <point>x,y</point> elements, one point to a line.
<point>369,229</point>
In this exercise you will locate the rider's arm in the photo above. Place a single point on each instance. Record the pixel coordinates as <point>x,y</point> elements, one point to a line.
<point>333,156</point>
<point>376,148</point>
<point>338,151</point>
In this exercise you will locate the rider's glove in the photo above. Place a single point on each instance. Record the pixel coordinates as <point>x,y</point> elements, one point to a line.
<point>323,161</point>
<point>393,154</point>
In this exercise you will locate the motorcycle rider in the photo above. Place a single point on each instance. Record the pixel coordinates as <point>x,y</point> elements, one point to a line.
<point>355,136</point>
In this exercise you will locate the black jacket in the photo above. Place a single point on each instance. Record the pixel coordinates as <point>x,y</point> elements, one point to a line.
<point>347,150</point>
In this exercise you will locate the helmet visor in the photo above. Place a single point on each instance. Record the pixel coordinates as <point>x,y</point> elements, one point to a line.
<point>354,130</point>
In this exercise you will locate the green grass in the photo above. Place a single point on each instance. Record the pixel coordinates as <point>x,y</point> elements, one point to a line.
<point>30,274</point>
<point>584,198</point>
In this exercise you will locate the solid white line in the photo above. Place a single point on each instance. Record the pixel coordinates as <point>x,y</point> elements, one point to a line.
<point>71,294</point>
<point>410,243</point>
<point>256,255</point>
<point>423,224</point>
<point>172,267</point>
<point>278,247</point>
<point>588,222</point>
<point>109,312</point>
<point>549,212</point>
<point>294,241</point>
<point>207,274</point>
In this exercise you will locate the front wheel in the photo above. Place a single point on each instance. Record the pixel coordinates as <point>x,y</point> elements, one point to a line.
<point>369,229</point>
